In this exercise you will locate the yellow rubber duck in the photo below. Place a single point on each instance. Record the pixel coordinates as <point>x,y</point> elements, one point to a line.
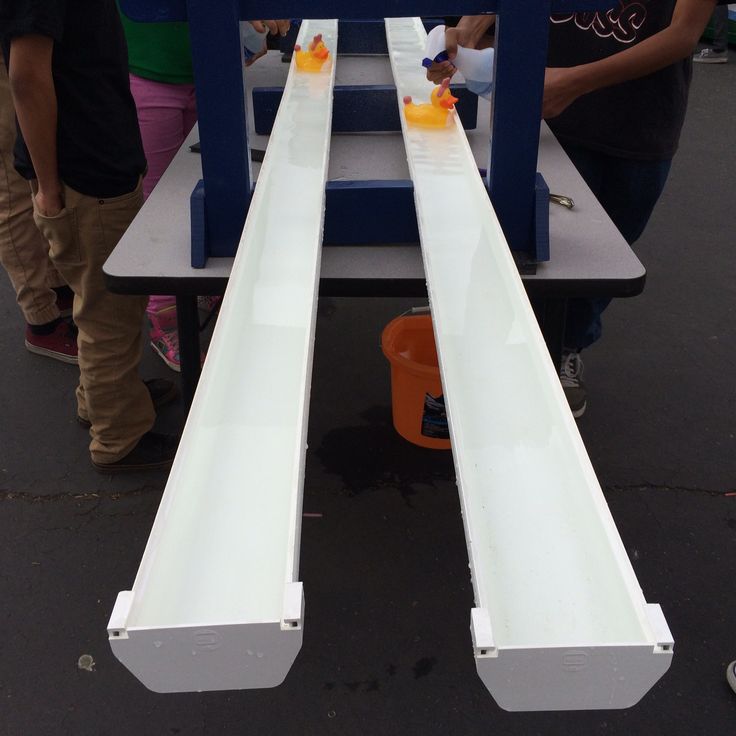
<point>434,114</point>
<point>313,58</point>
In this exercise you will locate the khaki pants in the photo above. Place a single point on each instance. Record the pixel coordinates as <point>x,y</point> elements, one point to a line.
<point>110,394</point>
<point>24,253</point>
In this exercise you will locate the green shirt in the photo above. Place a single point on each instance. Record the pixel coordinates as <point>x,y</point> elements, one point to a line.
<point>159,51</point>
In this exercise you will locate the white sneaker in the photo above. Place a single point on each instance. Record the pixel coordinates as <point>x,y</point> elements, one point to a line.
<point>711,56</point>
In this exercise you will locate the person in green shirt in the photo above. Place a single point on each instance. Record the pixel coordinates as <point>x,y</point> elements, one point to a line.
<point>162,84</point>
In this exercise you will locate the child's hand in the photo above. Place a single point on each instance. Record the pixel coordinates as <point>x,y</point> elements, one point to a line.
<point>469,34</point>
<point>438,72</point>
<point>274,27</point>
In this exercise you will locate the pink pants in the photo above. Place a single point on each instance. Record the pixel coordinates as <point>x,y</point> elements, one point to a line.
<point>166,114</point>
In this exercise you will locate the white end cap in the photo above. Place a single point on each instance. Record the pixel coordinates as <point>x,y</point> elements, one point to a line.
<point>116,626</point>
<point>293,612</point>
<point>482,633</point>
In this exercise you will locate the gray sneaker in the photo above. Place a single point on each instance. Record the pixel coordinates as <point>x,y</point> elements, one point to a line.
<point>731,675</point>
<point>571,378</point>
<point>711,56</point>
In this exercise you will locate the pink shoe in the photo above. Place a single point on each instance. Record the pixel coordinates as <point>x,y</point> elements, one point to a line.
<point>164,335</point>
<point>208,303</point>
<point>166,344</point>
<point>163,320</point>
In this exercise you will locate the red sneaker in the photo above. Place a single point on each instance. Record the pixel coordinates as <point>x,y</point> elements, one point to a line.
<point>61,344</point>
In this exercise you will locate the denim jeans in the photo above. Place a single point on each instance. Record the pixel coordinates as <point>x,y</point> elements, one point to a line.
<point>720,28</point>
<point>627,189</point>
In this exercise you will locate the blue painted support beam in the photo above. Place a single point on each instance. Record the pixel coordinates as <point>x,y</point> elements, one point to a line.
<point>355,37</point>
<point>369,36</point>
<point>541,219</point>
<point>521,56</point>
<point>358,109</point>
<point>218,71</point>
<point>167,10</point>
<point>198,224</point>
<point>362,37</point>
<point>360,212</point>
<point>218,74</point>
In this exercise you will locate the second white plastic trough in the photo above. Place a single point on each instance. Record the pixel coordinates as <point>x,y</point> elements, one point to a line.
<point>560,621</point>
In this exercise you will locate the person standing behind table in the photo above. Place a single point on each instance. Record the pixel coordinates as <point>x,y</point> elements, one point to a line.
<point>162,84</point>
<point>615,94</point>
<point>41,293</point>
<point>718,52</point>
<point>80,147</point>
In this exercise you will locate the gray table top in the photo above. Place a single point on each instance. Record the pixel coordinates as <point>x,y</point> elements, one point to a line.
<point>588,254</point>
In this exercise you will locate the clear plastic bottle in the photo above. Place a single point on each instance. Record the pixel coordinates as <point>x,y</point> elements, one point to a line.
<point>476,66</point>
<point>253,41</point>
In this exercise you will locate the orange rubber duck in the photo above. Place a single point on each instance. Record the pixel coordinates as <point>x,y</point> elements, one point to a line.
<point>434,114</point>
<point>313,58</point>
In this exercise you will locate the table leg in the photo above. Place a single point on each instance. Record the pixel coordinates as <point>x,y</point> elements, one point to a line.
<point>553,319</point>
<point>189,350</point>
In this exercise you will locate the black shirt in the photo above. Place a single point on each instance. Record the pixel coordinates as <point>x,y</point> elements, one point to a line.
<point>639,119</point>
<point>99,145</point>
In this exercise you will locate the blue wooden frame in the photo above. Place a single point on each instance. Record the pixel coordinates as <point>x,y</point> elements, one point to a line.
<point>514,185</point>
<point>359,108</point>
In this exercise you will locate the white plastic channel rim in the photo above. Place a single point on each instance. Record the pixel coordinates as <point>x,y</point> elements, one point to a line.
<point>216,603</point>
<point>560,622</point>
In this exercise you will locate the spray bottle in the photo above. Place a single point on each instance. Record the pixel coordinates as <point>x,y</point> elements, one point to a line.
<point>253,41</point>
<point>476,66</point>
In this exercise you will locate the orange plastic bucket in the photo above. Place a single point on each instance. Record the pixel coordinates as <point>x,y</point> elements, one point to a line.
<point>417,401</point>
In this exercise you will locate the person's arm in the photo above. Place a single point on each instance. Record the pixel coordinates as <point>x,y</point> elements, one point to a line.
<point>274,27</point>
<point>562,86</point>
<point>34,97</point>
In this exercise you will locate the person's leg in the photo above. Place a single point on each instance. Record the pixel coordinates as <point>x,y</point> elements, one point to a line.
<point>23,250</point>
<point>717,52</point>
<point>40,291</point>
<point>628,190</point>
<point>720,29</point>
<point>166,115</point>
<point>111,393</point>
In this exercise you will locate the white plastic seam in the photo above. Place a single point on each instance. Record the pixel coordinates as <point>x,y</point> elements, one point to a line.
<point>564,609</point>
<point>216,604</point>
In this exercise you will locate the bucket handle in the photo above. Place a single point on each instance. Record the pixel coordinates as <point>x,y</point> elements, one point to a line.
<point>413,311</point>
<point>417,310</point>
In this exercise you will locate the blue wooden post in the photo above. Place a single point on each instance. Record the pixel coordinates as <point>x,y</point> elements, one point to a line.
<point>221,105</point>
<point>521,58</point>
<point>518,196</point>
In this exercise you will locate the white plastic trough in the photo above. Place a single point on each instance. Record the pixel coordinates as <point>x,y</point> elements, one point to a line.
<point>216,604</point>
<point>560,621</point>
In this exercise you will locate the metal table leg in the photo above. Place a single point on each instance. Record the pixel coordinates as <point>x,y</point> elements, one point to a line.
<point>189,349</point>
<point>553,319</point>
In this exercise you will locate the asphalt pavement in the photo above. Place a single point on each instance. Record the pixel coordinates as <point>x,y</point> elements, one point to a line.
<point>384,563</point>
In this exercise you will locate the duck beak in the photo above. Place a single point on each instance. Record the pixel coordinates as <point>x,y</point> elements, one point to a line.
<point>448,101</point>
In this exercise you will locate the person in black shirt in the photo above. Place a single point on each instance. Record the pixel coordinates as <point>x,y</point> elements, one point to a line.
<point>615,95</point>
<point>80,148</point>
